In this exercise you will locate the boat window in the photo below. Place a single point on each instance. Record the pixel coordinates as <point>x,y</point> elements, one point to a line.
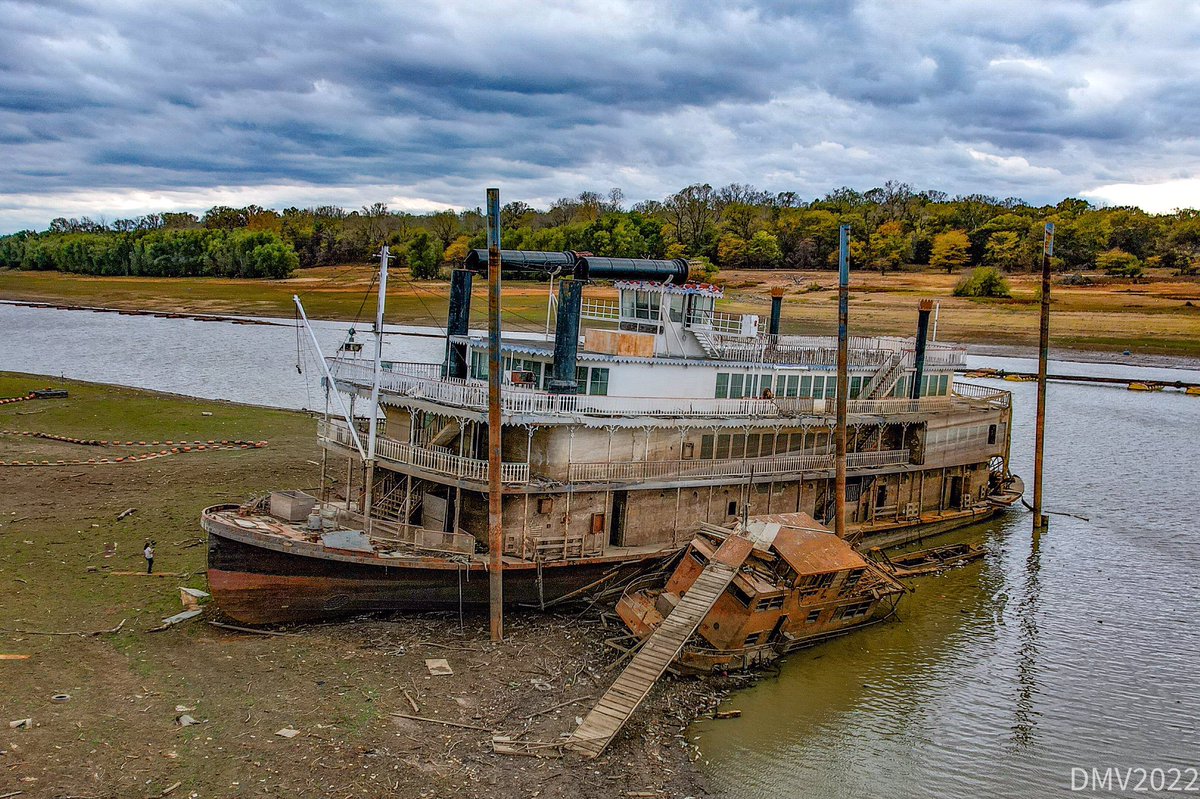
<point>753,639</point>
<point>479,365</point>
<point>852,579</point>
<point>737,447</point>
<point>855,610</point>
<point>598,382</point>
<point>732,509</point>
<point>806,386</point>
<point>770,603</point>
<point>943,385</point>
<point>646,305</point>
<point>706,447</point>
<point>855,387</point>
<point>722,446</point>
<point>793,381</point>
<point>722,385</point>
<point>735,386</point>
<point>752,445</point>
<point>813,615</point>
<point>677,307</point>
<point>740,595</point>
<point>814,583</point>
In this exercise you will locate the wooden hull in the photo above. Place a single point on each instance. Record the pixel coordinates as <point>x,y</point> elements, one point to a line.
<point>262,579</point>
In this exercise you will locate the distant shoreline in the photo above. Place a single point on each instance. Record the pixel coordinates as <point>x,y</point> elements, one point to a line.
<point>1157,319</point>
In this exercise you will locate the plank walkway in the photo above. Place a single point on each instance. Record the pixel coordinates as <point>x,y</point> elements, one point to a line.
<point>632,686</point>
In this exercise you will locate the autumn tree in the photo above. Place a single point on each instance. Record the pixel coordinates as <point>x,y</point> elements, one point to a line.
<point>951,250</point>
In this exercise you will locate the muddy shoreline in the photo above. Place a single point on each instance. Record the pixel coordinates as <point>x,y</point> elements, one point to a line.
<point>70,561</point>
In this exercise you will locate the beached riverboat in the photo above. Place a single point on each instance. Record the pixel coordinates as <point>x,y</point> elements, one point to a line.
<point>645,413</point>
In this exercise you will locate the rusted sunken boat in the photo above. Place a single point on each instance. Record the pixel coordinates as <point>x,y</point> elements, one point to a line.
<point>800,585</point>
<point>646,413</point>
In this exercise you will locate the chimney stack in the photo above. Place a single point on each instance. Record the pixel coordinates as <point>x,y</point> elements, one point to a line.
<point>566,336</point>
<point>924,308</point>
<point>458,322</point>
<point>776,309</point>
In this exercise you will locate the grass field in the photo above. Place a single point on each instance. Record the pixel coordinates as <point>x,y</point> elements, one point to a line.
<point>1159,315</point>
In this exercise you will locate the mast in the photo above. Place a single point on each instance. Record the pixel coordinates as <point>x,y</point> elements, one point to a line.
<point>374,423</point>
<point>495,498</point>
<point>1039,521</point>
<point>843,381</point>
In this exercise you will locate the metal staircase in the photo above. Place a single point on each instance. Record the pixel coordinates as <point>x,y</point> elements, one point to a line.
<point>706,343</point>
<point>885,379</point>
<point>656,653</point>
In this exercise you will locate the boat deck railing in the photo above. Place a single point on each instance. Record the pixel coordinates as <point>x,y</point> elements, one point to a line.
<point>426,459</point>
<point>424,381</point>
<point>603,471</point>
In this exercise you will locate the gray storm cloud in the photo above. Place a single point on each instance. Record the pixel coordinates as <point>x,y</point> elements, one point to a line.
<point>114,107</point>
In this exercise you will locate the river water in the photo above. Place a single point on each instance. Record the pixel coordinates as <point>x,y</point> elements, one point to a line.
<point>1077,650</point>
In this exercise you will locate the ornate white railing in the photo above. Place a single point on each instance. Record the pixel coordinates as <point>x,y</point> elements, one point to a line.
<point>717,321</point>
<point>728,467</point>
<point>398,381</point>
<point>996,397</point>
<point>606,310</point>
<point>427,459</point>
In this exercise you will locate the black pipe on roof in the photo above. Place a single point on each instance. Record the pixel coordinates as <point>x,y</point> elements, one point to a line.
<point>582,267</point>
<point>524,262</point>
<point>593,267</point>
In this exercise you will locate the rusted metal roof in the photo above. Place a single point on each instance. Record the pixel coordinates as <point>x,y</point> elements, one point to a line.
<point>808,546</point>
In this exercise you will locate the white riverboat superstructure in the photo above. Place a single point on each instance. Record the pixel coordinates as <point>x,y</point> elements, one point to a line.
<point>678,414</point>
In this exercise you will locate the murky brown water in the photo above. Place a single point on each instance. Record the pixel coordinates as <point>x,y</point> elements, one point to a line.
<point>1078,650</point>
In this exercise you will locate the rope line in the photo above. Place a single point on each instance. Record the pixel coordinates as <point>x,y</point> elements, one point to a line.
<point>175,448</point>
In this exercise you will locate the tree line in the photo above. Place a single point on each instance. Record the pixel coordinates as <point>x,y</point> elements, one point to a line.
<point>735,227</point>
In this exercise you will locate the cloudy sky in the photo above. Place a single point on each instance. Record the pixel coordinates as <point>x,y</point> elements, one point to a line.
<point>117,108</point>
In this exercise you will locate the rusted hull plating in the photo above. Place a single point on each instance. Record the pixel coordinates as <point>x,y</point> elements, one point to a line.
<point>262,583</point>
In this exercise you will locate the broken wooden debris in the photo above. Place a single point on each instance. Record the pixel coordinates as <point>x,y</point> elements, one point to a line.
<point>236,628</point>
<point>727,714</point>
<point>438,667</point>
<point>170,788</point>
<point>21,724</point>
<point>14,657</point>
<point>185,720</point>
<point>442,722</point>
<point>126,513</point>
<point>171,621</point>
<point>287,732</point>
<point>507,745</point>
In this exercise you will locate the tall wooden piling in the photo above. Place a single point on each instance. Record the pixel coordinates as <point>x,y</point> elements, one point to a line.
<point>495,498</point>
<point>1039,520</point>
<point>843,380</point>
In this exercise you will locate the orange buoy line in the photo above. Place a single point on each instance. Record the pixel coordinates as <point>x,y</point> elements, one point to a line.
<point>174,448</point>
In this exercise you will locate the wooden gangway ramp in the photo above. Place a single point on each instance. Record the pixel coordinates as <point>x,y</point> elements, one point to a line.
<point>632,686</point>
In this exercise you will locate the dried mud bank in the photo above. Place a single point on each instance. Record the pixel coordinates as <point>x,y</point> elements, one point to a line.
<point>70,562</point>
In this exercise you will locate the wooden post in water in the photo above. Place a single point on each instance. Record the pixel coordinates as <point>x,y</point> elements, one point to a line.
<point>495,498</point>
<point>843,381</point>
<point>1040,522</point>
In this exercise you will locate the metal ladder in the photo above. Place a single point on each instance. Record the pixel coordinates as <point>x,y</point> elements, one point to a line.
<point>632,686</point>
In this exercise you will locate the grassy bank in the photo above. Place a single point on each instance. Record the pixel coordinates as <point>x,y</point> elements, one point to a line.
<point>338,685</point>
<point>1159,315</point>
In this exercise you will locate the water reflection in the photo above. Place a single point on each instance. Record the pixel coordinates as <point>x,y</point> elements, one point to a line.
<point>1027,662</point>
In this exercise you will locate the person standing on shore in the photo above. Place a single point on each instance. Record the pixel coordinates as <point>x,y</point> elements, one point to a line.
<point>148,554</point>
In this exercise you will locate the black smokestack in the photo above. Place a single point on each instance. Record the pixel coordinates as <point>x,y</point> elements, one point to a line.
<point>566,337</point>
<point>458,322</point>
<point>923,309</point>
<point>776,310</point>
